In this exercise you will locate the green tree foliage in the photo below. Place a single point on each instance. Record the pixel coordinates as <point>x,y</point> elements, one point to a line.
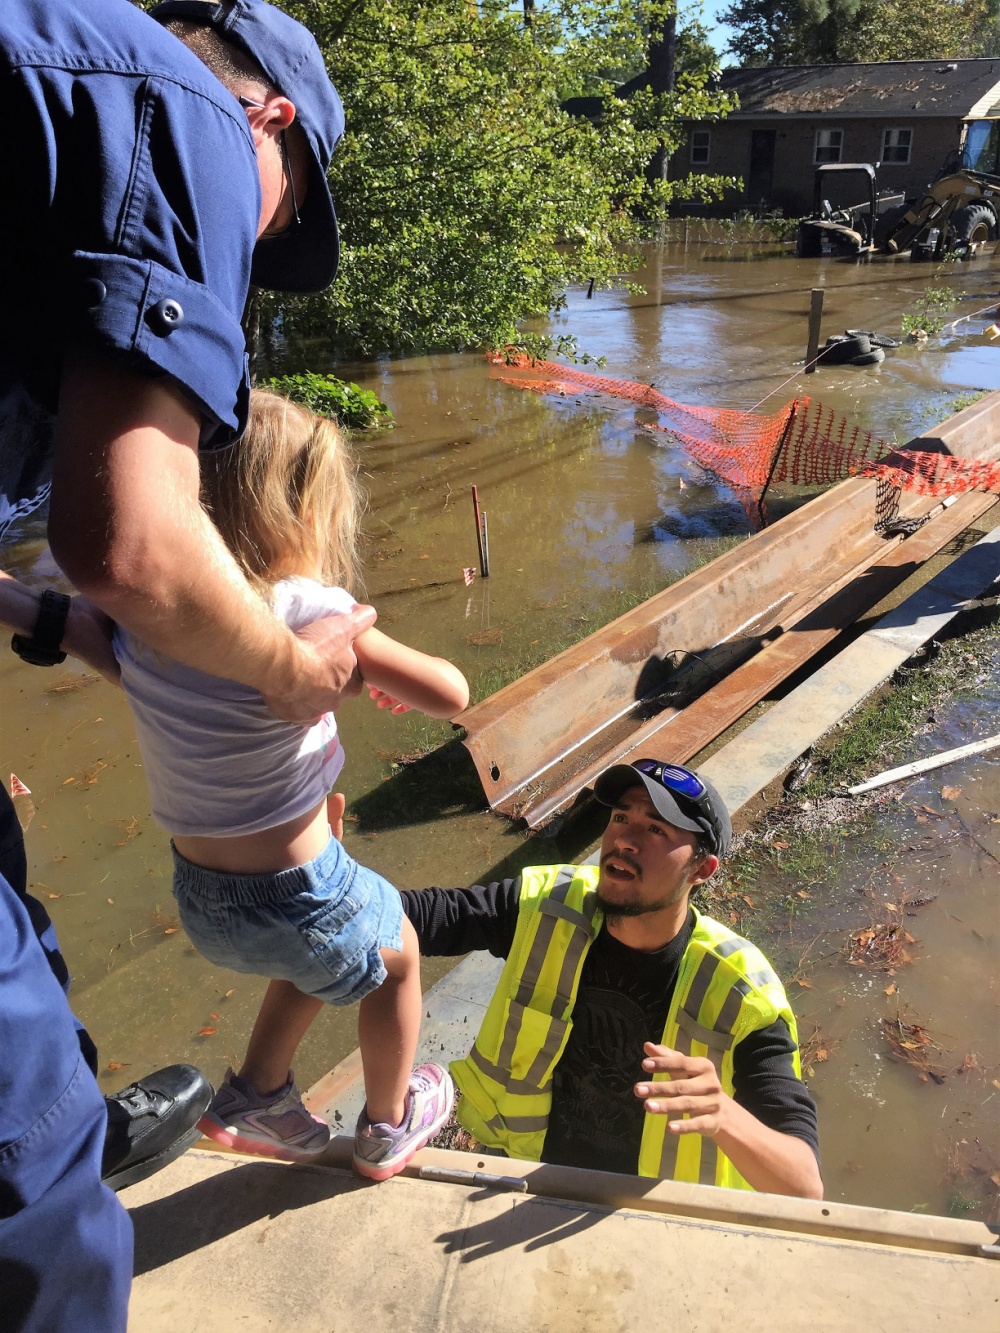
<point>468,198</point>
<point>806,32</point>
<point>328,396</point>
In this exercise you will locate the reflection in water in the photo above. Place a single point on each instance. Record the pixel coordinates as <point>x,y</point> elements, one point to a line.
<point>586,506</point>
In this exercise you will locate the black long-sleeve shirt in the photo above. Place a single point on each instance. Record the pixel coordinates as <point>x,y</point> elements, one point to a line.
<point>623,999</point>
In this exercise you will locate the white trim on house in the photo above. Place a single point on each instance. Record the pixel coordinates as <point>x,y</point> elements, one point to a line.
<point>896,147</point>
<point>980,108</point>
<point>706,148</point>
<point>829,146</point>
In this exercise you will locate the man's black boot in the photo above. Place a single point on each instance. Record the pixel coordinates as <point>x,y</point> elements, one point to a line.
<point>151,1122</point>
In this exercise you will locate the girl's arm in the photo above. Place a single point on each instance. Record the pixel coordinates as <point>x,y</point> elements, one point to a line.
<point>430,684</point>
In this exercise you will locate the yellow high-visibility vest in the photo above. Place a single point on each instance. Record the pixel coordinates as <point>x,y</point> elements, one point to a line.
<point>725,990</point>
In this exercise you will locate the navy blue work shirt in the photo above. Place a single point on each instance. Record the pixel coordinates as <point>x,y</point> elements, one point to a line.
<point>131,206</point>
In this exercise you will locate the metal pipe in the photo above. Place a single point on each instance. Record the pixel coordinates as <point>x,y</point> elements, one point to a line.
<point>479,532</point>
<point>484,548</point>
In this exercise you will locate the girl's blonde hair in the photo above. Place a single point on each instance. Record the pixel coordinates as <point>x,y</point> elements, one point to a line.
<point>285,499</point>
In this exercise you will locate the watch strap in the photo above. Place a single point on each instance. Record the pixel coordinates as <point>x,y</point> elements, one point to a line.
<point>43,646</point>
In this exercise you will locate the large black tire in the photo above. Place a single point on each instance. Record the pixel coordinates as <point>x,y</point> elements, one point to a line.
<point>973,223</point>
<point>871,358</point>
<point>840,350</point>
<point>876,339</point>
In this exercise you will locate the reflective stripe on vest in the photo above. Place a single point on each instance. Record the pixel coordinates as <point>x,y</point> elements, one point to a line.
<point>725,990</point>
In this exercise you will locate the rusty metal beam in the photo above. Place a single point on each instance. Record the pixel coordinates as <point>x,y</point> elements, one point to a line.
<point>677,735</point>
<point>540,740</point>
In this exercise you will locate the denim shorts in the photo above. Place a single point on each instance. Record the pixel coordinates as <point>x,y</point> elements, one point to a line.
<point>319,926</point>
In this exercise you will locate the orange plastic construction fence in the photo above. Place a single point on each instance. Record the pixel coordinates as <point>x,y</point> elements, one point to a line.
<point>804,444</point>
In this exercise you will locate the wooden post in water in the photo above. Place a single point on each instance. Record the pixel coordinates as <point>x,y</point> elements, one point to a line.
<point>815,320</point>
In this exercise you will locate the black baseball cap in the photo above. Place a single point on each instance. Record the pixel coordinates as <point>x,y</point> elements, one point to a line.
<point>303,258</point>
<point>683,797</point>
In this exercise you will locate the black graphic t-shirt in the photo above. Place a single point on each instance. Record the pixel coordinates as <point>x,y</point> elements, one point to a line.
<point>624,995</point>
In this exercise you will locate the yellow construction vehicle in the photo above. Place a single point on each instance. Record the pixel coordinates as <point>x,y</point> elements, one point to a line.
<point>958,211</point>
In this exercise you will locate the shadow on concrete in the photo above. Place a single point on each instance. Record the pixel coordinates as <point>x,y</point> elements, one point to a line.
<point>229,1201</point>
<point>533,1224</point>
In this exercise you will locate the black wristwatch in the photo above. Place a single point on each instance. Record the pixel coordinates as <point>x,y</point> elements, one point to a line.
<point>42,649</point>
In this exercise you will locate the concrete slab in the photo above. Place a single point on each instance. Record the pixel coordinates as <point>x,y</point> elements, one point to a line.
<point>227,1243</point>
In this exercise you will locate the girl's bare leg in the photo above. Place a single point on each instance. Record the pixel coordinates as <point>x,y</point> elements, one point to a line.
<point>281,1024</point>
<point>286,1013</point>
<point>388,1027</point>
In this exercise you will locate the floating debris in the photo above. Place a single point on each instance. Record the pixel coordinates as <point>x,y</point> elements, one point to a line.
<point>70,684</point>
<point>24,806</point>
<point>885,946</point>
<point>485,638</point>
<point>912,1044</point>
<point>815,1049</point>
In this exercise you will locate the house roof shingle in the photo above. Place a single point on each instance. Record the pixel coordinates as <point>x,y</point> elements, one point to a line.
<point>961,88</point>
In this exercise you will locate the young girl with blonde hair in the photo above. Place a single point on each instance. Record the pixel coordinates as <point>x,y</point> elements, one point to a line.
<point>262,886</point>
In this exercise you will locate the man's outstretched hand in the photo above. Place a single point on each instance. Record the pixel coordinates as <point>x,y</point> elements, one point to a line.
<point>329,667</point>
<point>679,1085</point>
<point>692,1088</point>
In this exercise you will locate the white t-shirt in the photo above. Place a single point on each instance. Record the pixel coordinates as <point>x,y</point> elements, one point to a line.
<point>217,761</point>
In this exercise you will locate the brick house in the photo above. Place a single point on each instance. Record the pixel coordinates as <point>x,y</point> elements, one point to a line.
<point>909,116</point>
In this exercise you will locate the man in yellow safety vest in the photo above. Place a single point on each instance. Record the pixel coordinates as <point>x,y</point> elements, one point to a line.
<point>629,1032</point>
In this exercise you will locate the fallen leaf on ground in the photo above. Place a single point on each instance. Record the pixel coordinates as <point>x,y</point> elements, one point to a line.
<point>117,1064</point>
<point>111,902</point>
<point>891,990</point>
<point>821,1056</point>
<point>950,793</point>
<point>171,930</point>
<point>801,981</point>
<point>55,895</point>
<point>781,846</point>
<point>206,1032</point>
<point>970,1062</point>
<point>230,992</point>
<point>996,1178</point>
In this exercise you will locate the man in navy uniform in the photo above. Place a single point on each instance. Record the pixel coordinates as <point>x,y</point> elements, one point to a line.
<point>154,167</point>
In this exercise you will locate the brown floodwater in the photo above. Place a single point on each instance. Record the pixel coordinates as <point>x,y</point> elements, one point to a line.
<point>587,508</point>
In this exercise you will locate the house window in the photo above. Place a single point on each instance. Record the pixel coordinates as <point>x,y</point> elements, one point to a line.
<point>828,145</point>
<point>896,145</point>
<point>701,142</point>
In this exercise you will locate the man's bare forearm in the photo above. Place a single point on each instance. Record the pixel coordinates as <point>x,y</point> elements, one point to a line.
<point>127,528</point>
<point>770,1161</point>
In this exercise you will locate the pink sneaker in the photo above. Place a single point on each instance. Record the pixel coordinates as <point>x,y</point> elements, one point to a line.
<point>277,1125</point>
<point>381,1151</point>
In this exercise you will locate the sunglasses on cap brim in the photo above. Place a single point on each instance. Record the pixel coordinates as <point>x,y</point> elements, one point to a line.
<point>674,778</point>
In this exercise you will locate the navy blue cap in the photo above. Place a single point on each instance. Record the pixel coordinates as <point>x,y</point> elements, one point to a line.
<point>305,256</point>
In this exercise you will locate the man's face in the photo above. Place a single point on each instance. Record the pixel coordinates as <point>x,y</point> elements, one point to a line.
<point>647,865</point>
